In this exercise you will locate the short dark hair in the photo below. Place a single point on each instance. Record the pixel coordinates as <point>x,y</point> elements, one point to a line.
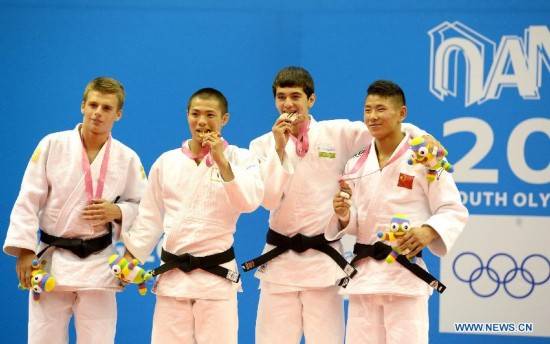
<point>211,94</point>
<point>386,88</point>
<point>294,77</point>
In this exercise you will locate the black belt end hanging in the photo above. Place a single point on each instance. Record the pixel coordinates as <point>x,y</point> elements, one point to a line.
<point>379,251</point>
<point>299,243</point>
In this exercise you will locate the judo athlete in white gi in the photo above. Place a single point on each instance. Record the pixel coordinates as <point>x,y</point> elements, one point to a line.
<point>68,191</point>
<point>194,197</point>
<point>301,160</point>
<point>387,302</point>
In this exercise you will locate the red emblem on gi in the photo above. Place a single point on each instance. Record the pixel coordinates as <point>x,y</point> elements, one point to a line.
<point>405,181</point>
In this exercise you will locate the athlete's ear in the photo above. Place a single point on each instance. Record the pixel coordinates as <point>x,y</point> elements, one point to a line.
<point>311,101</point>
<point>402,113</point>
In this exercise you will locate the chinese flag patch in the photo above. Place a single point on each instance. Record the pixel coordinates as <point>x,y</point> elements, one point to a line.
<point>405,181</point>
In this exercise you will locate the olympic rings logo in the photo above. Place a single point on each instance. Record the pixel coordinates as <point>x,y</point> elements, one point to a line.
<point>503,271</point>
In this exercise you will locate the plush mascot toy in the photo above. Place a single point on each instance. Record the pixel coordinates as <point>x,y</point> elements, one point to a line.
<point>129,272</point>
<point>41,281</point>
<point>431,157</point>
<point>398,227</point>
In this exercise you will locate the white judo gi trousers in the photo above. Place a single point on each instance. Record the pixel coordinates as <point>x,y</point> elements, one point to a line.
<point>390,319</point>
<point>181,320</point>
<point>95,317</point>
<point>317,313</point>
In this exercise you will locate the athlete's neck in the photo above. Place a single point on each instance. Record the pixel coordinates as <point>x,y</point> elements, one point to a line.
<point>92,141</point>
<point>194,146</point>
<point>386,146</point>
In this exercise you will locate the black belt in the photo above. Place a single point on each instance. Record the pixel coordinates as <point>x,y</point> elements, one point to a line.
<point>379,251</point>
<point>299,243</point>
<point>80,247</point>
<point>188,263</point>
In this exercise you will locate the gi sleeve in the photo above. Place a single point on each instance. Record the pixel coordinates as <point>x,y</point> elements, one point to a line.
<point>412,130</point>
<point>24,220</point>
<point>136,182</point>
<point>245,192</point>
<point>334,231</point>
<point>449,214</point>
<point>355,136</point>
<point>141,238</point>
<point>276,175</point>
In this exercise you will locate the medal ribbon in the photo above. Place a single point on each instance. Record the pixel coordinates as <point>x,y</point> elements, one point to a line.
<point>204,153</point>
<point>88,173</point>
<point>302,141</point>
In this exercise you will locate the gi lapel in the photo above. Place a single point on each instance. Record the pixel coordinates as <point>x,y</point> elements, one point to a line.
<point>78,198</point>
<point>196,174</point>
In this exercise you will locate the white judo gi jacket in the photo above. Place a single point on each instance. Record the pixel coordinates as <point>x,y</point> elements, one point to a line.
<point>298,194</point>
<point>198,212</point>
<point>399,188</point>
<point>53,196</point>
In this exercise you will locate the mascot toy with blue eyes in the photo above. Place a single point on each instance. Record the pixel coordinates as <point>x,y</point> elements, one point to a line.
<point>129,272</point>
<point>398,227</point>
<point>431,157</point>
<point>41,281</point>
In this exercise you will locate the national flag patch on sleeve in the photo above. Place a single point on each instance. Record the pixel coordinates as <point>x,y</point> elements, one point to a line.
<point>405,181</point>
<point>36,155</point>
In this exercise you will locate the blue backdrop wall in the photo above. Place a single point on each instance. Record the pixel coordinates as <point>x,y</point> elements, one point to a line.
<point>476,76</point>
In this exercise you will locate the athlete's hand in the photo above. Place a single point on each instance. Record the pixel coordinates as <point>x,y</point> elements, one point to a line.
<point>214,140</point>
<point>281,131</point>
<point>101,212</point>
<point>416,239</point>
<point>342,203</point>
<point>23,267</point>
<point>437,146</point>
